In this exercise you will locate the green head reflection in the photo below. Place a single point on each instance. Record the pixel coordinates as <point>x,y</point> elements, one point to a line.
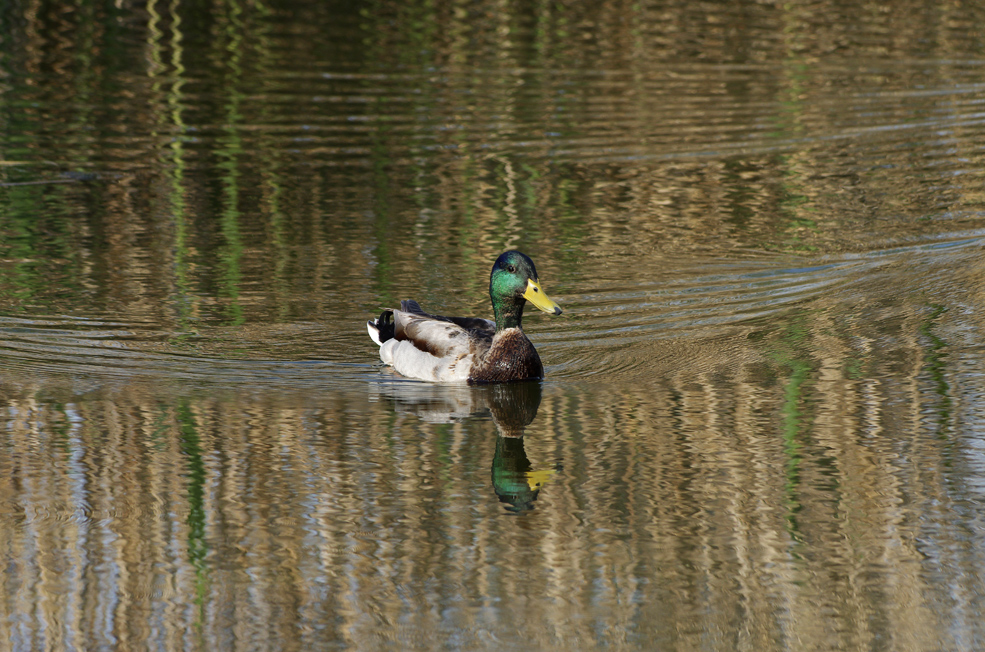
<point>511,406</point>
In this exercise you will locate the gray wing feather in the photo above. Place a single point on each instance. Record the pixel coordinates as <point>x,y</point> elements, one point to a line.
<point>439,338</point>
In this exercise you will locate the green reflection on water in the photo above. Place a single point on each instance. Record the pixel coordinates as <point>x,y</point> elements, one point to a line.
<point>38,245</point>
<point>229,50</point>
<point>510,468</point>
<point>61,426</point>
<point>383,222</point>
<point>18,278</point>
<point>198,548</point>
<point>230,150</point>
<point>170,121</point>
<point>790,354</point>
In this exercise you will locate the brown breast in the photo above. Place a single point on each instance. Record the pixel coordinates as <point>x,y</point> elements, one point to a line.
<point>510,357</point>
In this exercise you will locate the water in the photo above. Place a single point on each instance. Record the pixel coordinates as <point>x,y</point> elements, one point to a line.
<point>762,426</point>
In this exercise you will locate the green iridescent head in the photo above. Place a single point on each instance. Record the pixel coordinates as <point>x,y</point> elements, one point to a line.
<point>512,283</point>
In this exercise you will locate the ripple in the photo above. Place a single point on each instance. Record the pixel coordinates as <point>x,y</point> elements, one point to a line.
<point>105,350</point>
<point>615,330</point>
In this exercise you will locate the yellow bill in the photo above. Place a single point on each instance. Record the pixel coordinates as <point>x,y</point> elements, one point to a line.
<point>537,479</point>
<point>539,298</point>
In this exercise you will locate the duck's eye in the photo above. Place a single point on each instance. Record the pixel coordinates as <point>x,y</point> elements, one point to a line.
<point>511,269</point>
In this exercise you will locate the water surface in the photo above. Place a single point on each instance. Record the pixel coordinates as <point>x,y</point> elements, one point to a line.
<point>763,418</point>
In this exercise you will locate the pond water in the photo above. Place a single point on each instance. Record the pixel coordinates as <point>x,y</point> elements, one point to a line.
<point>763,421</point>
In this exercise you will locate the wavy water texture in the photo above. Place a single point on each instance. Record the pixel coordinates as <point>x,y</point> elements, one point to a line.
<point>613,331</point>
<point>761,426</point>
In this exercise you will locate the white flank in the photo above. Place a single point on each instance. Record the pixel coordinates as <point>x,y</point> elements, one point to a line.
<point>374,332</point>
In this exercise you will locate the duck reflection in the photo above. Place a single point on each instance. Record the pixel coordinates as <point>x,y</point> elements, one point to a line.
<point>512,407</point>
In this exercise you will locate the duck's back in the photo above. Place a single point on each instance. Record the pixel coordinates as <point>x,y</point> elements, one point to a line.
<point>454,349</point>
<point>429,349</point>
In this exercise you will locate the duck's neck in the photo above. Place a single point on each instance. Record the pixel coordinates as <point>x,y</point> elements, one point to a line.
<point>509,314</point>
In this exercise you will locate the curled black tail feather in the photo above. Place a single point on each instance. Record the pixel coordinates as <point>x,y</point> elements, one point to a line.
<point>385,325</point>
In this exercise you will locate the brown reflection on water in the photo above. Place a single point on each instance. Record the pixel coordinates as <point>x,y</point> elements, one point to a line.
<point>761,427</point>
<point>247,168</point>
<point>798,487</point>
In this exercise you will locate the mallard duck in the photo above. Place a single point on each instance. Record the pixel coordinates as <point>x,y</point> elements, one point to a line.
<point>468,349</point>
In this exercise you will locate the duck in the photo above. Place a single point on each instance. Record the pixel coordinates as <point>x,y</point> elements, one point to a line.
<point>468,350</point>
